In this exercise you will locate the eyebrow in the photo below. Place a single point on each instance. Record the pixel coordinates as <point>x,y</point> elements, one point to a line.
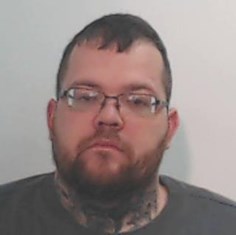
<point>137,87</point>
<point>126,88</point>
<point>85,83</point>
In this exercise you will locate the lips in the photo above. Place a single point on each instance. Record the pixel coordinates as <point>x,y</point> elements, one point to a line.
<point>106,144</point>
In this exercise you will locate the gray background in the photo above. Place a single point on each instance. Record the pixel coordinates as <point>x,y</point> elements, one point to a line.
<point>201,40</point>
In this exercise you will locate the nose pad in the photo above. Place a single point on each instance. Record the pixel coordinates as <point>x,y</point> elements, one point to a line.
<point>117,105</point>
<point>109,115</point>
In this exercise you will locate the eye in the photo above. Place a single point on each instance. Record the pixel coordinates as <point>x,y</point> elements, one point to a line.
<point>82,94</point>
<point>86,96</point>
<point>139,100</point>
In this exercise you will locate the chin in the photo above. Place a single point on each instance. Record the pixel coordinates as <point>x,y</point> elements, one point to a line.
<point>102,179</point>
<point>106,174</point>
<point>102,167</point>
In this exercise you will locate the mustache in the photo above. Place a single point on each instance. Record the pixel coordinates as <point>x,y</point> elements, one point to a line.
<point>110,136</point>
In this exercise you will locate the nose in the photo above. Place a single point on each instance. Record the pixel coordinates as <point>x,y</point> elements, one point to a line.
<point>109,116</point>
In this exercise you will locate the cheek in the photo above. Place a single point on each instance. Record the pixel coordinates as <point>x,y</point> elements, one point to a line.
<point>70,129</point>
<point>145,136</point>
<point>148,143</point>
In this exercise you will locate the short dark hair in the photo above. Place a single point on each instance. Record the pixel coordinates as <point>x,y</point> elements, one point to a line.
<point>122,30</point>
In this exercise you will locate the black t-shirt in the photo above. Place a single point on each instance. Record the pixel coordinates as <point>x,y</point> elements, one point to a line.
<point>32,207</point>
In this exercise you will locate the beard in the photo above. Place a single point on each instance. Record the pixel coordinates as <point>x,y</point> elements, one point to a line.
<point>96,176</point>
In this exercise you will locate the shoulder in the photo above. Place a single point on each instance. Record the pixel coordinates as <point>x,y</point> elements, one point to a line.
<point>22,189</point>
<point>197,193</point>
<point>199,202</point>
<point>32,206</point>
<point>29,182</point>
<point>195,210</point>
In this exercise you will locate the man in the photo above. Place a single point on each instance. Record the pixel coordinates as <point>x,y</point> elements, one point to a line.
<point>109,128</point>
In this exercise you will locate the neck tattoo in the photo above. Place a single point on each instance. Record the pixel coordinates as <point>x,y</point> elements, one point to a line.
<point>125,216</point>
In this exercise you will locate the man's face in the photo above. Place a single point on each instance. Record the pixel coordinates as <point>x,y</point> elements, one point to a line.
<point>110,150</point>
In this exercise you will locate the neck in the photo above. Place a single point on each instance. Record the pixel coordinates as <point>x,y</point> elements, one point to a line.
<point>124,214</point>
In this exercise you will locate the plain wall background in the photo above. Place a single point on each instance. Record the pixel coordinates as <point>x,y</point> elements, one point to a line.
<point>201,40</point>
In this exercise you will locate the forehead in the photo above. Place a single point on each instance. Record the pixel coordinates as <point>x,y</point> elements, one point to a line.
<point>141,65</point>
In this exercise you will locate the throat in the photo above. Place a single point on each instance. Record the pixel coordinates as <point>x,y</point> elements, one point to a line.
<point>123,214</point>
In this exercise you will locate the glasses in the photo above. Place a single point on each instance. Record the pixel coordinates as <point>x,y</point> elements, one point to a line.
<point>90,100</point>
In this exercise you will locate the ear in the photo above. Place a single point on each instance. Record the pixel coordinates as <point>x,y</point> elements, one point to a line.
<point>51,111</point>
<point>173,124</point>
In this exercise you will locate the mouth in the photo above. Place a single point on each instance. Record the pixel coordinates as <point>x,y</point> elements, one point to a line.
<point>106,144</point>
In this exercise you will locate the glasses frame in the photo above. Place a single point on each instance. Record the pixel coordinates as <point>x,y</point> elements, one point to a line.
<point>157,102</point>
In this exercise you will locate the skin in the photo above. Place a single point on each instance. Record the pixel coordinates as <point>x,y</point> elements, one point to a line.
<point>134,140</point>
